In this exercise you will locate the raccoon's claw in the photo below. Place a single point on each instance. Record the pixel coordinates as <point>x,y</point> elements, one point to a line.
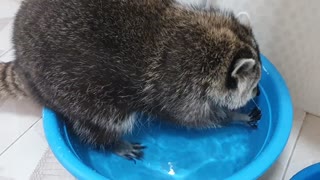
<point>253,124</point>
<point>130,151</point>
<point>255,116</point>
<point>135,152</point>
<point>138,146</point>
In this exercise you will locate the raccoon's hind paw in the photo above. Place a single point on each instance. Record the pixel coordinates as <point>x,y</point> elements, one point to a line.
<point>255,116</point>
<point>130,151</point>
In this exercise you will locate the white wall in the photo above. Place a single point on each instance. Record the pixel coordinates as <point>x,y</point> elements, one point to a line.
<point>288,32</point>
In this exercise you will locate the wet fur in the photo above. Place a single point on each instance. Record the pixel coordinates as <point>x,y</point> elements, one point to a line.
<point>99,63</point>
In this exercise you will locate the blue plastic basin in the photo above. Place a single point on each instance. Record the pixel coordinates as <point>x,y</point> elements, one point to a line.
<point>309,173</point>
<point>232,152</point>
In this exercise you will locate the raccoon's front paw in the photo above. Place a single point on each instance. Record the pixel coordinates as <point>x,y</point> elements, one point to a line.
<point>130,151</point>
<point>255,116</point>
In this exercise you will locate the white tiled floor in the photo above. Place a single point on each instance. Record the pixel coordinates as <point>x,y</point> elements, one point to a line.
<point>307,150</point>
<point>278,170</point>
<point>16,119</point>
<point>22,143</point>
<point>21,158</point>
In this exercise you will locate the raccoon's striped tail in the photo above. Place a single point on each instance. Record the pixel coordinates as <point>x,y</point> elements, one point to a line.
<point>10,83</point>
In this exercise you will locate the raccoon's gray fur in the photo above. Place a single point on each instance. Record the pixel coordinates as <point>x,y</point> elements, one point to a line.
<point>100,63</point>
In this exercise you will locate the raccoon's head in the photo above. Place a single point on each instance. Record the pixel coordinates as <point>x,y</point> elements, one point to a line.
<point>235,85</point>
<point>236,80</point>
<point>241,83</point>
<point>218,57</point>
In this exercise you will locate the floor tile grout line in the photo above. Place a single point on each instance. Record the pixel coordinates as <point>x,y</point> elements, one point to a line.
<point>17,139</point>
<point>314,115</point>
<point>294,147</point>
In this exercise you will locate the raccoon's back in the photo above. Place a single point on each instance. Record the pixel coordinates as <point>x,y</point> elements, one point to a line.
<point>113,28</point>
<point>68,49</point>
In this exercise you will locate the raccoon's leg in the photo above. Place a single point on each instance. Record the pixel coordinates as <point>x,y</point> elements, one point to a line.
<point>107,134</point>
<point>251,119</point>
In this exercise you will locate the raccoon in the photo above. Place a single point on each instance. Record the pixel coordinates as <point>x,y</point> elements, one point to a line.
<point>99,64</point>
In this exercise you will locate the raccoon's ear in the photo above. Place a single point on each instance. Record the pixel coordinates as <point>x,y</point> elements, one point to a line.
<point>242,66</point>
<point>244,18</point>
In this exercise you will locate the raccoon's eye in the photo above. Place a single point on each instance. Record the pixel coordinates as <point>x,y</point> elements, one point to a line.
<point>231,83</point>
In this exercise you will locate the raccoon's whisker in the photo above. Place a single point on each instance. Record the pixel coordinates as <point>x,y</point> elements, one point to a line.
<point>255,103</point>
